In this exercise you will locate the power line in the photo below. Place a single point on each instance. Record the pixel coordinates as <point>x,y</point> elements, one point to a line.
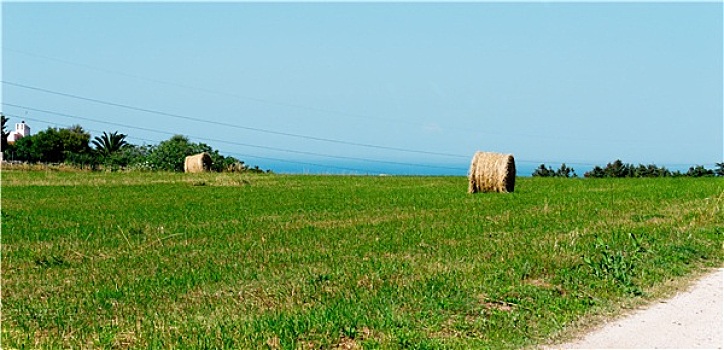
<point>309,108</point>
<point>249,98</point>
<point>255,99</point>
<point>363,171</point>
<point>524,161</point>
<point>234,142</point>
<point>234,153</point>
<point>199,120</point>
<point>223,151</point>
<point>206,90</point>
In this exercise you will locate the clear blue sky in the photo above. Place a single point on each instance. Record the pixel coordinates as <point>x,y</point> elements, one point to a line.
<point>580,83</point>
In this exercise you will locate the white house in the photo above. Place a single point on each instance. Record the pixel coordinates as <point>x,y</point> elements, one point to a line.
<point>21,130</point>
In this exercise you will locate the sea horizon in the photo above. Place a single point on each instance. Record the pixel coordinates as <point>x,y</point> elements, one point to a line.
<point>523,169</point>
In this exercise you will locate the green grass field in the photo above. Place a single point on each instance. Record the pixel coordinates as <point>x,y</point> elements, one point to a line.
<point>163,260</point>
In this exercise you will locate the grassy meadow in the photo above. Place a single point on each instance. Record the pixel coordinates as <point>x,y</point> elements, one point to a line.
<point>167,260</point>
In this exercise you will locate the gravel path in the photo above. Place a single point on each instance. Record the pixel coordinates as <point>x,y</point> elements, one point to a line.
<point>690,320</point>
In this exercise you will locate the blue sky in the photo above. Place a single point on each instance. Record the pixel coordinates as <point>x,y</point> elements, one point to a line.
<point>550,82</point>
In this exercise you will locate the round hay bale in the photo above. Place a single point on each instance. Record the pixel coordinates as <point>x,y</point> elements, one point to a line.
<point>491,172</point>
<point>197,163</point>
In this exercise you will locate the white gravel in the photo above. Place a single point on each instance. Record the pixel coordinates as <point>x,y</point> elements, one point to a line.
<point>690,320</point>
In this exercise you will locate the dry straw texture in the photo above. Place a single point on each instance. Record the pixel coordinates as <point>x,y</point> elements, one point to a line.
<point>197,163</point>
<point>492,172</point>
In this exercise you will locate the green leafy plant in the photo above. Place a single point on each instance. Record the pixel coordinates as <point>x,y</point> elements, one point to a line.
<point>109,143</point>
<point>616,265</point>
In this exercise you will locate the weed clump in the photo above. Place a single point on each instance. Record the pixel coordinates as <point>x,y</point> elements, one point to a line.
<point>616,266</point>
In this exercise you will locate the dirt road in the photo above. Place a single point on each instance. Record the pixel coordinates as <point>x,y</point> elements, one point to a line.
<point>690,320</point>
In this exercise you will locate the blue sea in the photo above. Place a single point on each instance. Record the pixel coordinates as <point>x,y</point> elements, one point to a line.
<point>364,168</point>
<point>326,167</point>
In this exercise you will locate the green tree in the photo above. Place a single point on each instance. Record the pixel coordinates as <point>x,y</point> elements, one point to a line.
<point>5,134</point>
<point>114,151</point>
<point>596,172</point>
<point>53,145</point>
<point>719,171</point>
<point>232,164</point>
<point>542,171</point>
<point>109,143</point>
<point>618,169</point>
<point>565,171</point>
<point>169,155</point>
<point>615,169</point>
<point>134,154</point>
<point>650,170</point>
<point>45,146</point>
<point>219,162</point>
<point>74,140</point>
<point>699,171</point>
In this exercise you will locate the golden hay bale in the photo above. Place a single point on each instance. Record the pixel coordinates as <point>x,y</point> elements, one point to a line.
<point>197,163</point>
<point>491,172</point>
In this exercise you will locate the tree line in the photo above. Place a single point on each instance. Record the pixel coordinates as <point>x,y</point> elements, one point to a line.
<point>619,169</point>
<point>110,151</point>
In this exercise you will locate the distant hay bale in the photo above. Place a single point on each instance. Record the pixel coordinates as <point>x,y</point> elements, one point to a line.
<point>197,163</point>
<point>491,172</point>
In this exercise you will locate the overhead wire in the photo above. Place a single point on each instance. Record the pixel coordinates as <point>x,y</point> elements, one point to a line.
<point>236,143</point>
<point>260,130</point>
<point>304,107</point>
<point>232,153</point>
<point>279,149</point>
<point>236,126</point>
<point>205,90</point>
<point>256,99</point>
<point>282,160</point>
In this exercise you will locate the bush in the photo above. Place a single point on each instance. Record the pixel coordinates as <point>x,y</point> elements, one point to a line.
<point>54,146</point>
<point>170,155</point>
<point>619,169</point>
<point>563,171</point>
<point>699,171</point>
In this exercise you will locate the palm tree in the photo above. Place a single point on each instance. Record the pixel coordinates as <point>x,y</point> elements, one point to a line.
<point>108,144</point>
<point>3,121</point>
